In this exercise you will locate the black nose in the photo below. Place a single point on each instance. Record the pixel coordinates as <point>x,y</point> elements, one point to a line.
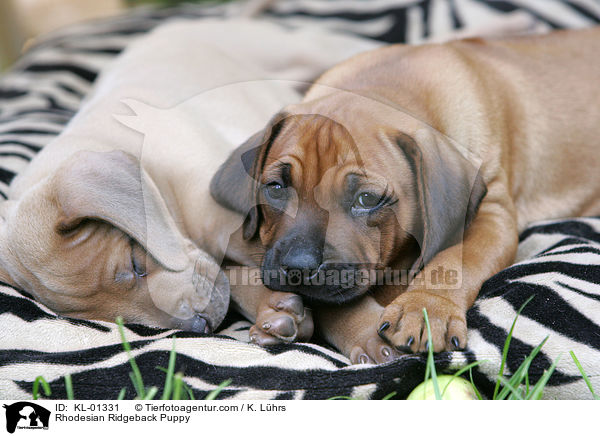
<point>302,258</point>
<point>197,324</point>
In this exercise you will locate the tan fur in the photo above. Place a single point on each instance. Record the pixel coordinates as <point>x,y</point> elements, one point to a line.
<point>76,253</point>
<point>126,183</point>
<point>525,109</point>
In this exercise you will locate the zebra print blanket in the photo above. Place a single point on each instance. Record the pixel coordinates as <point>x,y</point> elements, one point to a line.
<point>558,262</point>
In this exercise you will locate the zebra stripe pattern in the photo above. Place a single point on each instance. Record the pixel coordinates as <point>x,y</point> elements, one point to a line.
<point>558,262</point>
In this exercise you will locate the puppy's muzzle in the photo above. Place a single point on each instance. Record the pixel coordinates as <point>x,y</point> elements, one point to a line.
<point>295,264</point>
<point>195,299</point>
<point>301,259</point>
<point>197,324</point>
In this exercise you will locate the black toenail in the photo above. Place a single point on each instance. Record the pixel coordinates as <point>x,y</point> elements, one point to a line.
<point>404,349</point>
<point>382,328</point>
<point>363,359</point>
<point>455,342</point>
<point>410,341</point>
<point>266,326</point>
<point>385,351</point>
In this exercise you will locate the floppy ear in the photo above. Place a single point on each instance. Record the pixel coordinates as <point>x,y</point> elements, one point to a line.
<point>235,184</point>
<point>449,189</point>
<point>112,187</point>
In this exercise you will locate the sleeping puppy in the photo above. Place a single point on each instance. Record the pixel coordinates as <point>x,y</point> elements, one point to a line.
<point>93,228</point>
<point>106,222</point>
<point>421,160</point>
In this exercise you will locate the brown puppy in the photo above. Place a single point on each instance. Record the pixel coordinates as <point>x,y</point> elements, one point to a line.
<point>428,160</point>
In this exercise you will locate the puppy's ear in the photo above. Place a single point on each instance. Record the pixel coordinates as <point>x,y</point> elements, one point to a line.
<point>112,187</point>
<point>449,189</point>
<point>235,184</point>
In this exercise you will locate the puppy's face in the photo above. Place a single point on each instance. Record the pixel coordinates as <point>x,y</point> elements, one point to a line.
<point>97,242</point>
<point>329,214</point>
<point>344,187</point>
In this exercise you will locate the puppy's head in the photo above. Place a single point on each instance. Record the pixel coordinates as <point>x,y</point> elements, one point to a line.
<point>96,241</point>
<point>335,195</point>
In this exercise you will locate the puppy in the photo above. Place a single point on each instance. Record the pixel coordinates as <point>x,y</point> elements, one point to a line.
<point>106,222</point>
<point>426,160</point>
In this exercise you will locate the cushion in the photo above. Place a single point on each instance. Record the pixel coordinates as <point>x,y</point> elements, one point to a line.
<point>558,262</point>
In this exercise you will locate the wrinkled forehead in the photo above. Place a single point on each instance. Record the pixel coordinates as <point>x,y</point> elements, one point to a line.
<point>358,112</point>
<point>327,137</point>
<point>313,140</point>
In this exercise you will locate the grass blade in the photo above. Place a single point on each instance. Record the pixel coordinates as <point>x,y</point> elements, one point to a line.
<point>506,346</point>
<point>389,396</point>
<point>216,391</point>
<point>430,362</point>
<point>122,394</point>
<point>170,372</point>
<point>134,382</point>
<point>519,375</point>
<point>511,388</point>
<point>189,391</point>
<point>538,389</point>
<point>184,385</point>
<point>151,393</point>
<point>177,386</point>
<point>45,386</point>
<point>584,375</point>
<point>461,371</point>
<point>69,387</point>
<point>136,378</point>
<point>477,393</point>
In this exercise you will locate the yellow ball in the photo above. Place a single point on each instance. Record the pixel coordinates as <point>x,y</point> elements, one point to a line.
<point>457,389</point>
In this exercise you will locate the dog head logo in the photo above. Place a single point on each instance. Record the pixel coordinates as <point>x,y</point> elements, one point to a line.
<point>26,415</point>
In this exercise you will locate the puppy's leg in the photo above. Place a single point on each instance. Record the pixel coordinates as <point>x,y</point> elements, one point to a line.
<point>277,316</point>
<point>350,329</point>
<point>489,245</point>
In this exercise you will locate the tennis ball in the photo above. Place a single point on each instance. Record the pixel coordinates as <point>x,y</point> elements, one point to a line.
<point>453,388</point>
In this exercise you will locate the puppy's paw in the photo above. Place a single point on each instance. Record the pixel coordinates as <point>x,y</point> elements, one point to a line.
<point>403,325</point>
<point>282,317</point>
<point>372,349</point>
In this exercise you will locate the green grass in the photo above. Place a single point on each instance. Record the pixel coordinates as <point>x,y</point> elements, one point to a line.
<point>584,375</point>
<point>507,345</point>
<point>175,388</point>
<point>36,387</point>
<point>515,387</point>
<point>430,368</point>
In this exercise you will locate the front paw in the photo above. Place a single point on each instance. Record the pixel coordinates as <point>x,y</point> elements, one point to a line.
<point>282,317</point>
<point>403,325</point>
<point>372,349</point>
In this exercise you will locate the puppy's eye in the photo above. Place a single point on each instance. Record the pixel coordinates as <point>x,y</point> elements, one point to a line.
<point>138,260</point>
<point>366,201</point>
<point>275,191</point>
